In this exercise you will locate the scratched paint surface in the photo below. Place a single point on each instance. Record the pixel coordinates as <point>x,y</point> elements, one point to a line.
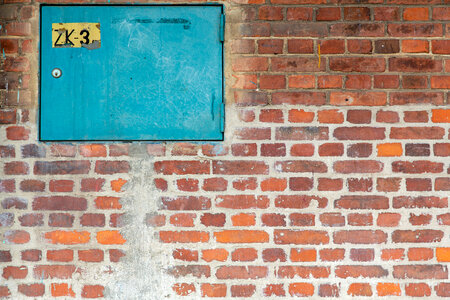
<point>156,76</point>
<point>76,35</point>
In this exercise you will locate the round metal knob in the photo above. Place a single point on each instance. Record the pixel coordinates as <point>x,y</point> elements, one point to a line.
<point>56,73</point>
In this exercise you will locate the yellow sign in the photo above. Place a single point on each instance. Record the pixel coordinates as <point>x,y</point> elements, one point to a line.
<point>76,35</point>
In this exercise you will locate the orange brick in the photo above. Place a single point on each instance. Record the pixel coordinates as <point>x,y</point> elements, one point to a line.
<point>116,185</point>
<point>93,150</point>
<point>359,289</point>
<point>441,116</point>
<point>61,290</point>
<point>390,149</point>
<point>332,116</point>
<point>110,237</point>
<point>301,289</point>
<point>107,203</point>
<point>300,116</point>
<point>415,46</point>
<point>273,184</point>
<point>214,254</point>
<point>388,289</point>
<point>443,254</point>
<point>303,255</point>
<point>392,254</point>
<point>68,237</point>
<point>415,14</point>
<point>242,236</point>
<point>243,219</point>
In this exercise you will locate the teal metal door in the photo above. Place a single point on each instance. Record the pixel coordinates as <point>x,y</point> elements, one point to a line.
<point>131,73</point>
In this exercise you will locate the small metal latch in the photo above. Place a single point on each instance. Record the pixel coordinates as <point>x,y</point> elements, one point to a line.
<point>56,73</point>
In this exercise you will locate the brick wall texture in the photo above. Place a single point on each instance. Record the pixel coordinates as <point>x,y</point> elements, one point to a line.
<point>332,180</point>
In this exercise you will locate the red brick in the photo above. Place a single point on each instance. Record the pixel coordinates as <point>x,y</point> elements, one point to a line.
<point>61,185</point>
<point>244,81</point>
<point>243,46</point>
<point>243,184</point>
<point>93,255</point>
<point>60,220</point>
<point>386,81</point>
<point>299,201</point>
<point>331,149</point>
<point>215,184</point>
<point>386,13</point>
<point>240,167</point>
<point>31,290</point>
<point>31,219</point>
<point>274,290</point>
<point>359,237</point>
<point>422,219</point>
<point>358,98</point>
<point>15,168</point>
<point>296,64</point>
<point>250,64</point>
<point>356,219</point>
<point>299,14</point>
<point>59,203</point>
<point>31,255</point>
<point>92,291</point>
<point>417,290</point>
<point>360,270</point>
<point>359,46</point>
<point>417,236</point>
<point>303,272</point>
<point>301,81</point>
<point>420,271</point>
<point>440,46</point>
<point>332,46</point>
<point>362,254</point>
<point>329,81</point>
<point>298,29</point>
<point>326,184</point>
<point>357,29</point>
<point>358,82</point>
<point>357,13</point>
<point>301,133</point>
<point>271,115</point>
<point>244,254</point>
<point>64,255</point>
<point>249,133</point>
<point>302,150</point>
<point>301,46</point>
<point>242,290</point>
<point>272,82</point>
<point>273,255</point>
<point>328,14</point>
<point>270,13</point>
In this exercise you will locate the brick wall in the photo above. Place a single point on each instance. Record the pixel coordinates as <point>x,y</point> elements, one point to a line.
<point>332,180</point>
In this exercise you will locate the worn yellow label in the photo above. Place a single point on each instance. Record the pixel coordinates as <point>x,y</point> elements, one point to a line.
<point>76,35</point>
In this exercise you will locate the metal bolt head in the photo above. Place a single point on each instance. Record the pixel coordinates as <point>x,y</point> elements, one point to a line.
<point>56,73</point>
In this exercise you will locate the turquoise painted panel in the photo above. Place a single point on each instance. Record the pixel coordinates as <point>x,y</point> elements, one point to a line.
<point>156,74</point>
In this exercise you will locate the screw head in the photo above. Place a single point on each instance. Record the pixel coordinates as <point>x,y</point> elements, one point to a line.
<point>56,73</point>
